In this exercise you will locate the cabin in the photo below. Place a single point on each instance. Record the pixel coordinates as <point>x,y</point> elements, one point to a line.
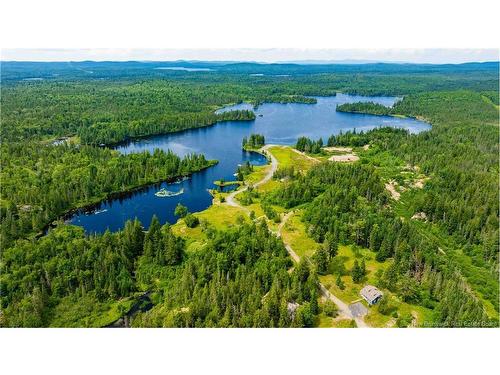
<point>371,294</point>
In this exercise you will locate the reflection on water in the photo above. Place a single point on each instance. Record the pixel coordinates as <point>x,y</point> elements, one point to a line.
<point>280,124</point>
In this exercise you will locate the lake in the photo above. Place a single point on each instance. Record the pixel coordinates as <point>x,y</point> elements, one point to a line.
<point>279,123</point>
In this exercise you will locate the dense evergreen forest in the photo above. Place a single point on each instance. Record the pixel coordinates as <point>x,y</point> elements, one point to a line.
<point>42,182</point>
<point>109,112</point>
<point>461,155</point>
<point>347,204</point>
<point>364,107</point>
<point>253,141</point>
<point>242,277</point>
<point>239,280</point>
<point>305,144</point>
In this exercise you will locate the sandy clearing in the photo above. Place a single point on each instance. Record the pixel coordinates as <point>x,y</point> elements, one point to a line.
<point>344,158</point>
<point>391,188</point>
<point>420,216</point>
<point>338,149</point>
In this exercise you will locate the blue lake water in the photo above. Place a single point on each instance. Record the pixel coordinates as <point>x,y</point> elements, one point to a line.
<point>279,123</point>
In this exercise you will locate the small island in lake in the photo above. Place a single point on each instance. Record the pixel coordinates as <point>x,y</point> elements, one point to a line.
<point>166,193</point>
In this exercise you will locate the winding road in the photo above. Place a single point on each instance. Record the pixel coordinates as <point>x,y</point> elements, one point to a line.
<point>343,308</point>
<point>274,166</point>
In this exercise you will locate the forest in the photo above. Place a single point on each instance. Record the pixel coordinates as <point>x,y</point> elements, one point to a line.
<point>41,183</point>
<point>305,144</point>
<point>461,154</point>
<point>253,141</point>
<point>364,107</point>
<point>348,204</point>
<point>243,277</point>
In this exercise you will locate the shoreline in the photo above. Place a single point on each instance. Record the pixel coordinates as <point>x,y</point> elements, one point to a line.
<point>92,206</point>
<point>397,115</point>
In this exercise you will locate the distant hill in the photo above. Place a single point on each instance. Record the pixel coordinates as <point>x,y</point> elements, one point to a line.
<point>16,70</point>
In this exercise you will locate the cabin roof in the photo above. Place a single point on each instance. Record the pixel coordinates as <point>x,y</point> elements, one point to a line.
<point>370,293</point>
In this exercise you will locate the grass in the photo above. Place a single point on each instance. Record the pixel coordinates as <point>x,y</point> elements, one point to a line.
<point>343,323</point>
<point>323,321</point>
<point>86,311</point>
<point>256,208</point>
<point>346,257</point>
<point>258,174</point>
<point>294,233</point>
<point>345,260</point>
<point>287,157</point>
<point>226,183</point>
<point>268,186</point>
<point>219,216</point>
<point>421,315</point>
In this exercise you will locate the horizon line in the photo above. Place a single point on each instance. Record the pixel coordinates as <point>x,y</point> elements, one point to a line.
<point>278,62</point>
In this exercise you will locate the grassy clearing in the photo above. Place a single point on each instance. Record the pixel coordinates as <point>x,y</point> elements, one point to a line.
<point>226,183</point>
<point>415,315</point>
<point>268,186</point>
<point>219,216</point>
<point>343,262</point>
<point>294,233</point>
<point>343,323</point>
<point>323,321</point>
<point>258,174</point>
<point>287,157</point>
<point>256,208</point>
<point>88,312</point>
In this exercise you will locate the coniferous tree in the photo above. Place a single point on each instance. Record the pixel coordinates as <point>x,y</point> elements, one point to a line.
<point>181,210</point>
<point>356,272</point>
<point>339,282</point>
<point>321,260</point>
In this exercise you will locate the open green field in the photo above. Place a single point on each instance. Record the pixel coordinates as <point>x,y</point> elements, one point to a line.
<point>294,233</point>
<point>218,216</point>
<point>287,157</point>
<point>324,321</point>
<point>258,174</point>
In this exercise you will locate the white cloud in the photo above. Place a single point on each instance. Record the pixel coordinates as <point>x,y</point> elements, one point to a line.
<point>438,56</point>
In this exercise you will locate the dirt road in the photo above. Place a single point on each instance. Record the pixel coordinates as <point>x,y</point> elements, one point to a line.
<point>343,308</point>
<point>274,166</point>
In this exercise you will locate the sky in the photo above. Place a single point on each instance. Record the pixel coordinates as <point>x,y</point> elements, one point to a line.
<point>435,56</point>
